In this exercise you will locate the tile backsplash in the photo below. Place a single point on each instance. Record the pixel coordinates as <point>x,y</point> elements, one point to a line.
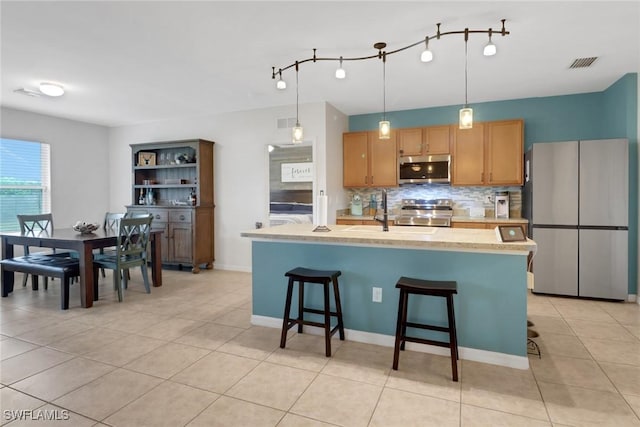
<point>463,197</point>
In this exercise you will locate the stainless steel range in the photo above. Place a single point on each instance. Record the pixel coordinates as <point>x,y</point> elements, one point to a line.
<point>420,212</point>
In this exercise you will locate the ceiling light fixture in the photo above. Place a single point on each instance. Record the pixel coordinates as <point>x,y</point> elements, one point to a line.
<point>384,127</point>
<point>490,48</point>
<point>466,113</point>
<point>426,56</point>
<point>298,132</point>
<point>51,89</point>
<point>340,72</point>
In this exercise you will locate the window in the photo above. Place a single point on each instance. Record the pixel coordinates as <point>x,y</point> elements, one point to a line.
<point>24,181</point>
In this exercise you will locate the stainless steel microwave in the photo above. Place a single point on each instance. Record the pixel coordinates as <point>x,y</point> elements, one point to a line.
<point>424,169</point>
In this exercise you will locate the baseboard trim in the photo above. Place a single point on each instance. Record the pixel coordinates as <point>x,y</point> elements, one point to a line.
<point>632,298</point>
<point>473,354</point>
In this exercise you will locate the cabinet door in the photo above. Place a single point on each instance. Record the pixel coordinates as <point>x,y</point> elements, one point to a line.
<point>383,166</point>
<point>164,227</point>
<point>181,242</point>
<point>348,222</point>
<point>468,155</point>
<point>355,159</point>
<point>410,142</point>
<point>504,154</point>
<point>436,139</point>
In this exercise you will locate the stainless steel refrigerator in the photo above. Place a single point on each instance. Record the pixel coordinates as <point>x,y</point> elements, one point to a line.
<point>576,198</point>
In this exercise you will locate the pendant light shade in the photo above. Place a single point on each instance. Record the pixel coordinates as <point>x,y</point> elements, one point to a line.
<point>427,55</point>
<point>384,131</point>
<point>466,118</point>
<point>340,72</point>
<point>298,133</point>
<point>490,48</point>
<point>281,84</point>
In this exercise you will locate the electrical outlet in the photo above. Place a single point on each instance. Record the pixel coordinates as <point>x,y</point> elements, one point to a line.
<point>488,200</point>
<point>377,294</point>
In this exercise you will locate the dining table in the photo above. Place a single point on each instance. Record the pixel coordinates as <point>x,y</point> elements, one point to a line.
<point>84,245</point>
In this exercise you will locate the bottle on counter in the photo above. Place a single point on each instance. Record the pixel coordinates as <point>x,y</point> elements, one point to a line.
<point>141,199</point>
<point>373,205</point>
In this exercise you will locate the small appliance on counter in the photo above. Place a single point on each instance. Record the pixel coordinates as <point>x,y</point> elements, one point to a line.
<point>502,204</point>
<point>356,205</point>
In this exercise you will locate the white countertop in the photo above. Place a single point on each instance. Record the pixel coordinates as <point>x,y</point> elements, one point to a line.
<point>455,218</point>
<point>428,238</point>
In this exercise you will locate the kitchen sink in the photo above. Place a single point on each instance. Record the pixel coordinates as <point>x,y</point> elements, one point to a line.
<point>393,229</point>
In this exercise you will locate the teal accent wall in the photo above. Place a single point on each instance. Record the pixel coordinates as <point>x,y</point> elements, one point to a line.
<point>612,113</point>
<point>485,282</point>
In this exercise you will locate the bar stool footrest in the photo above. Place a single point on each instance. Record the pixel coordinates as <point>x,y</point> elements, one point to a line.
<point>428,327</point>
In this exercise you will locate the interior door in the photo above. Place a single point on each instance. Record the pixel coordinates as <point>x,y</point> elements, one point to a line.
<point>555,265</point>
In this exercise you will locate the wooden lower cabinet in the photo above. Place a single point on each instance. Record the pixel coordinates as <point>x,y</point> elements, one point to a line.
<point>180,226</point>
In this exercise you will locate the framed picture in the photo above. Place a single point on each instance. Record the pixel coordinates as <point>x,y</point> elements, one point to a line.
<point>511,233</point>
<point>296,172</point>
<point>146,158</point>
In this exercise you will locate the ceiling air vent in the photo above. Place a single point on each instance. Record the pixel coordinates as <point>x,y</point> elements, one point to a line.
<point>286,123</point>
<point>583,62</point>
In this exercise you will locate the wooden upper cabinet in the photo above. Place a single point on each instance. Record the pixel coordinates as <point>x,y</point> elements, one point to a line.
<point>468,155</point>
<point>424,141</point>
<point>369,161</point>
<point>410,142</point>
<point>436,139</point>
<point>355,159</point>
<point>504,156</point>
<point>383,166</point>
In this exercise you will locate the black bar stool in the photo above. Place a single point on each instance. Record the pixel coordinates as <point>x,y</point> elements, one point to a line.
<point>444,289</point>
<point>302,275</point>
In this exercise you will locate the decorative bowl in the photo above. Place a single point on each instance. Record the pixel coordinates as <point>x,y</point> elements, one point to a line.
<point>85,227</point>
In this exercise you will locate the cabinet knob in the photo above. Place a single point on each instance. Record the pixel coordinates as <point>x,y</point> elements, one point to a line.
<point>490,176</point>
<point>182,217</point>
<point>482,176</point>
<point>157,216</point>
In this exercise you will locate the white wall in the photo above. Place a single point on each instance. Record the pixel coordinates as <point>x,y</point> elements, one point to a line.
<point>241,174</point>
<point>80,175</point>
<point>336,124</point>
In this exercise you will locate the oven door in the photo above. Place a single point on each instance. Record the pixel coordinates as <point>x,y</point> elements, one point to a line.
<point>424,170</point>
<point>423,221</point>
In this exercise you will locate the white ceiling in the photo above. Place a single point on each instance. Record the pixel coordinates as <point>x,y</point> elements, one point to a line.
<point>137,61</point>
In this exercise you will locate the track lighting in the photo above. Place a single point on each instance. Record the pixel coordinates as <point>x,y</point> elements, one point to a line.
<point>466,113</point>
<point>490,48</point>
<point>340,73</point>
<point>427,55</point>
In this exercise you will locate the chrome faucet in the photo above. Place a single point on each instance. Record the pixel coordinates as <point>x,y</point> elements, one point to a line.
<point>385,214</point>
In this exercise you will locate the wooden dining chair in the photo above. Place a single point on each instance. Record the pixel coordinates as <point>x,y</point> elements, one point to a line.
<point>131,252</point>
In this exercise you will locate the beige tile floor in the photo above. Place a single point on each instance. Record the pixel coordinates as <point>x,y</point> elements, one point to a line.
<point>187,355</point>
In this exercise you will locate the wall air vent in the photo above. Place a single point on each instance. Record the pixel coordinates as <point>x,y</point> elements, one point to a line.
<point>286,123</point>
<point>583,62</point>
<point>28,92</point>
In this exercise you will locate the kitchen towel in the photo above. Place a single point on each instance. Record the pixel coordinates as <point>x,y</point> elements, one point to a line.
<point>322,209</point>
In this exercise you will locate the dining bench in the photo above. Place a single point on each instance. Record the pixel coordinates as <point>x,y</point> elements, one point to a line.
<point>61,267</point>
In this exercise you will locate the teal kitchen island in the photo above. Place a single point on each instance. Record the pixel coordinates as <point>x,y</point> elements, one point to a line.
<point>490,307</point>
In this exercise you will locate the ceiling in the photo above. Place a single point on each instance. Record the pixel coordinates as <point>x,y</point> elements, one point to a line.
<point>130,62</point>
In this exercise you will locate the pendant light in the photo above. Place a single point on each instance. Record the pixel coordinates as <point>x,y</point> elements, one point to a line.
<point>384,127</point>
<point>297,130</point>
<point>466,113</point>
<point>340,72</point>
